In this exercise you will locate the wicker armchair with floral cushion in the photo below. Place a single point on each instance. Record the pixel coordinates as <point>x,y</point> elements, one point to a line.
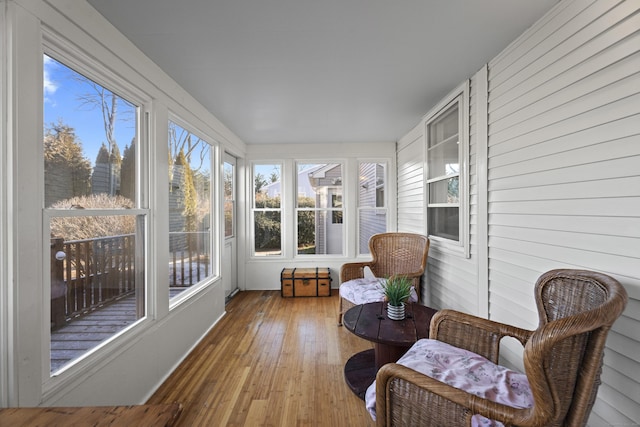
<point>392,254</point>
<point>562,361</point>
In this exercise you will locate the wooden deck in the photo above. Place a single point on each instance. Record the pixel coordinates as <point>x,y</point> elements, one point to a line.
<point>87,332</point>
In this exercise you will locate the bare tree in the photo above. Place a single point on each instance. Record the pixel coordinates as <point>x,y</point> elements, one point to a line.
<point>195,150</point>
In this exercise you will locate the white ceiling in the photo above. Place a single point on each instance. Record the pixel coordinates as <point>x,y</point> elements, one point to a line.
<point>297,71</point>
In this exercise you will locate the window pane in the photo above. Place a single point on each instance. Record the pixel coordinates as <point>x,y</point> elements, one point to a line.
<point>371,195</point>
<point>443,173</point>
<point>445,127</point>
<point>371,221</point>
<point>445,191</point>
<point>267,186</point>
<point>443,160</point>
<point>320,210</point>
<point>372,182</point>
<point>90,163</point>
<point>189,210</point>
<point>89,142</point>
<point>314,179</point>
<point>96,291</point>
<point>229,199</point>
<point>318,233</point>
<point>267,233</point>
<point>443,222</point>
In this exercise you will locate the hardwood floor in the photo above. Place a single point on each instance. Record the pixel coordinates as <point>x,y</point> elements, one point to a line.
<point>270,361</point>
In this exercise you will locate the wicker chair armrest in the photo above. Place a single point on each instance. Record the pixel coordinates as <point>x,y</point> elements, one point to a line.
<point>476,334</point>
<point>353,270</point>
<point>407,397</point>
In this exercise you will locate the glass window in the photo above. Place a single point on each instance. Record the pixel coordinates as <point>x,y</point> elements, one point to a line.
<point>267,209</point>
<point>189,209</point>
<point>95,222</point>
<point>443,173</point>
<point>319,208</point>
<point>229,199</point>
<point>372,211</point>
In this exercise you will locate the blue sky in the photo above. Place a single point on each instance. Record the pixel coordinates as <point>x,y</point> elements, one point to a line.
<point>63,90</point>
<point>61,101</point>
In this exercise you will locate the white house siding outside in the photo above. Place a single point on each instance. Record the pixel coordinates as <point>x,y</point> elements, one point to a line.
<point>563,180</point>
<point>371,180</point>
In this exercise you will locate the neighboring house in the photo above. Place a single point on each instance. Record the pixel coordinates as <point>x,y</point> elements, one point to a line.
<point>550,178</point>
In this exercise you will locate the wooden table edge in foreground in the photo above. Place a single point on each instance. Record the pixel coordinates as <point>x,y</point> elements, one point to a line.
<point>157,415</point>
<point>391,340</point>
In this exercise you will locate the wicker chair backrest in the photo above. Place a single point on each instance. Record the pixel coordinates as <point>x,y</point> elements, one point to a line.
<point>563,358</point>
<point>398,254</point>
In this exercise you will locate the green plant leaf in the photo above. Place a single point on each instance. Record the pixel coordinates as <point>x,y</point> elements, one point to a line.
<point>397,289</point>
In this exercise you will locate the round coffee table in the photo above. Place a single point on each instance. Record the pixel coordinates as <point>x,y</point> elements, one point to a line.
<point>391,338</point>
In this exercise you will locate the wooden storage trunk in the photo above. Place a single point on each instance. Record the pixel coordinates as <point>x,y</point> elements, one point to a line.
<point>305,282</point>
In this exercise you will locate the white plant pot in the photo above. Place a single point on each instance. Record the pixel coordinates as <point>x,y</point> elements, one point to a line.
<point>395,312</point>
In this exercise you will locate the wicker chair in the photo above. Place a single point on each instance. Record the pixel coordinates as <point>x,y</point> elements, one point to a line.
<point>562,359</point>
<point>393,254</point>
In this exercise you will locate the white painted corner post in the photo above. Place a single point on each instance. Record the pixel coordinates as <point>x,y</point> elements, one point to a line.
<point>482,140</point>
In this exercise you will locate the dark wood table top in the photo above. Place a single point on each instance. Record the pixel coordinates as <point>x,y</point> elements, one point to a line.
<point>370,321</point>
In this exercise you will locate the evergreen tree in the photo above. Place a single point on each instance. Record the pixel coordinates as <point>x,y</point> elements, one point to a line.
<point>189,195</point>
<point>128,172</point>
<point>103,154</point>
<point>66,170</point>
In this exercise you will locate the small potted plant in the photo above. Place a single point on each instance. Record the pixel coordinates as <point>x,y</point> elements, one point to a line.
<point>397,291</point>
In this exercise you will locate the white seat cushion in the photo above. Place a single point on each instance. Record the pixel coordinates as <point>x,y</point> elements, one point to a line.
<point>366,290</point>
<point>466,371</point>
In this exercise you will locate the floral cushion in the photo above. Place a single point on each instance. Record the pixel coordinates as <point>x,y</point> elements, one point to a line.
<point>365,290</point>
<point>464,370</point>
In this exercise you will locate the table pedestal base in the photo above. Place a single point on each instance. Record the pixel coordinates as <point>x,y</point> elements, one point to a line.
<point>360,371</point>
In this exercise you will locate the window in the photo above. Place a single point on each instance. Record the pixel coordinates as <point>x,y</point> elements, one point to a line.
<point>267,209</point>
<point>95,217</point>
<point>319,208</point>
<point>190,186</point>
<point>372,211</point>
<point>229,173</point>
<point>446,148</point>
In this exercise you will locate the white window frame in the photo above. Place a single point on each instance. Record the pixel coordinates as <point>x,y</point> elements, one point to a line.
<point>253,209</point>
<point>234,197</point>
<point>328,209</point>
<point>214,274</point>
<point>460,96</point>
<point>5,323</point>
<point>74,58</point>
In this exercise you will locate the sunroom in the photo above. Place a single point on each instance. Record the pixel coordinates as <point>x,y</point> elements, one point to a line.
<point>525,162</point>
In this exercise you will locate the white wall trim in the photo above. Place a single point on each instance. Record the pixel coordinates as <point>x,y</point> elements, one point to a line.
<point>6,324</point>
<point>482,132</point>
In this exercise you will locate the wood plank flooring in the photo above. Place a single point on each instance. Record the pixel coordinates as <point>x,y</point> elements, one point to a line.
<point>270,361</point>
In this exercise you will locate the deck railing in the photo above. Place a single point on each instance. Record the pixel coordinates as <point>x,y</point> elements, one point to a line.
<point>88,274</point>
<point>189,263</point>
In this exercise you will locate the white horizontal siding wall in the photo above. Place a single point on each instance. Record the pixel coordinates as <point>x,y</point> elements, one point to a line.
<point>411,189</point>
<point>564,174</point>
<point>451,280</point>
